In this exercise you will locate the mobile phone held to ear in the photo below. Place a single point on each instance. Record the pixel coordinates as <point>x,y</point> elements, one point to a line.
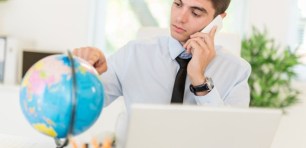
<point>216,22</point>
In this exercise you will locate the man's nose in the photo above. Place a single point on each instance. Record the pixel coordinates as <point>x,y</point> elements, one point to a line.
<point>183,16</point>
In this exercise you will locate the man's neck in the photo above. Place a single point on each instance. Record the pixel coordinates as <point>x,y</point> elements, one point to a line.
<point>182,43</point>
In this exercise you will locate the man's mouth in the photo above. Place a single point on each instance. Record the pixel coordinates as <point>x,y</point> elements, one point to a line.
<point>178,29</point>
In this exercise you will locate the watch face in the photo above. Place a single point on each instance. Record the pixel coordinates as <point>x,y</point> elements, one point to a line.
<point>210,83</point>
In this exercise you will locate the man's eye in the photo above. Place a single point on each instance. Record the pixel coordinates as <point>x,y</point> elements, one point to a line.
<point>177,4</point>
<point>195,14</point>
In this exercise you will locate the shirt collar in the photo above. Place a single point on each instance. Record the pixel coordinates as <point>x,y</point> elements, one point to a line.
<point>175,47</point>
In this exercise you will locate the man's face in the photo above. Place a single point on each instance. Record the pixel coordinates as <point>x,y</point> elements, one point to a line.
<point>189,17</point>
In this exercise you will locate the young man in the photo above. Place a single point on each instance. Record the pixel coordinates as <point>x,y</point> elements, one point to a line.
<point>148,71</point>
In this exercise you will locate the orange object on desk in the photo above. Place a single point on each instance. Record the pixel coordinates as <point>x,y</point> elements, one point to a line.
<point>107,143</point>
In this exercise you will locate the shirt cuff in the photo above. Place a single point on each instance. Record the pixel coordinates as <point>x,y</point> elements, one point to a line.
<point>212,99</point>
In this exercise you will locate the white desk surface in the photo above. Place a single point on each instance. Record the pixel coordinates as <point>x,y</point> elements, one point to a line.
<point>15,131</point>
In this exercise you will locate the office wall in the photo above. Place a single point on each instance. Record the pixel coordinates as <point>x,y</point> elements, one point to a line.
<point>1,16</point>
<point>279,17</point>
<point>47,24</point>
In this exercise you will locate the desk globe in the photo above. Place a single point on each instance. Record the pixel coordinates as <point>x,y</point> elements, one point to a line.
<point>47,96</point>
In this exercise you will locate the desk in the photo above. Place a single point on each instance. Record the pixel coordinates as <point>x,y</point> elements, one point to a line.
<point>15,128</point>
<point>12,121</point>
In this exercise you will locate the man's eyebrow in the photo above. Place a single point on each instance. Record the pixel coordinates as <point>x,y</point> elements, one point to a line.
<point>180,1</point>
<point>199,8</point>
<point>196,7</point>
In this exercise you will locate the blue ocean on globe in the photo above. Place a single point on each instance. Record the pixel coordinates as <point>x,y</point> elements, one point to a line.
<point>46,96</point>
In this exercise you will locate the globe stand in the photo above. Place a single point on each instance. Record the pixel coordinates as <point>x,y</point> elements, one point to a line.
<point>60,143</point>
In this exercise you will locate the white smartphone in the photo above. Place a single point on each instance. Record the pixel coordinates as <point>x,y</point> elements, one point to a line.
<point>216,22</point>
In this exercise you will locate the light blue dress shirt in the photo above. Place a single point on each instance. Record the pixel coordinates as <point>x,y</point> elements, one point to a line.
<point>145,71</point>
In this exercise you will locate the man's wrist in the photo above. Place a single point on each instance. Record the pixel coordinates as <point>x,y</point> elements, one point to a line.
<point>202,89</point>
<point>198,80</point>
<point>202,93</point>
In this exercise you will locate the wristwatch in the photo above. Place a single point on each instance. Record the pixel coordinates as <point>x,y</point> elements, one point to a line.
<point>208,85</point>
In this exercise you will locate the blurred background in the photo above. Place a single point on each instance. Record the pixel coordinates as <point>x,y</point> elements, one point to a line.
<point>46,27</point>
<point>61,25</point>
<point>109,25</point>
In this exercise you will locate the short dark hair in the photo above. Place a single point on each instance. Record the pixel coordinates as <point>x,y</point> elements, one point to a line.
<point>220,6</point>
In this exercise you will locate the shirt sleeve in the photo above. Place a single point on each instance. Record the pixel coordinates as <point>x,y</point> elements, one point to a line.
<point>213,98</point>
<point>111,83</point>
<point>112,78</point>
<point>238,96</point>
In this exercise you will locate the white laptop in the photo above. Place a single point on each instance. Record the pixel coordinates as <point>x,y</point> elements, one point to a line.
<point>155,126</point>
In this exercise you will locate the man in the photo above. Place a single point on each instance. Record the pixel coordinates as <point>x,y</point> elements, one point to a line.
<point>148,71</point>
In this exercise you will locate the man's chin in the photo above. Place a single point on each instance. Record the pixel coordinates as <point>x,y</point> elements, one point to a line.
<point>179,37</point>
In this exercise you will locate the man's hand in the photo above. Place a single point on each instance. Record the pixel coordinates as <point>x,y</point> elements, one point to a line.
<point>202,48</point>
<point>93,56</point>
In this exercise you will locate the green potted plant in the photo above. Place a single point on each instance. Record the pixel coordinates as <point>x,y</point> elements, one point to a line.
<point>272,71</point>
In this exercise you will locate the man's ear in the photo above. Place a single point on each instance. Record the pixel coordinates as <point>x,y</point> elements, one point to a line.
<point>223,15</point>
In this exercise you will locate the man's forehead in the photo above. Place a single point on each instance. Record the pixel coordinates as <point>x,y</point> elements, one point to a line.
<point>203,4</point>
<point>199,3</point>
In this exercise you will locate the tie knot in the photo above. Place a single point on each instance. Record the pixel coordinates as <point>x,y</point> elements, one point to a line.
<point>182,62</point>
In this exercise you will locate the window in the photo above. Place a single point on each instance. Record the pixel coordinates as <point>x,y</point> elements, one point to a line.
<point>302,25</point>
<point>302,38</point>
<point>124,18</point>
<point>2,57</point>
